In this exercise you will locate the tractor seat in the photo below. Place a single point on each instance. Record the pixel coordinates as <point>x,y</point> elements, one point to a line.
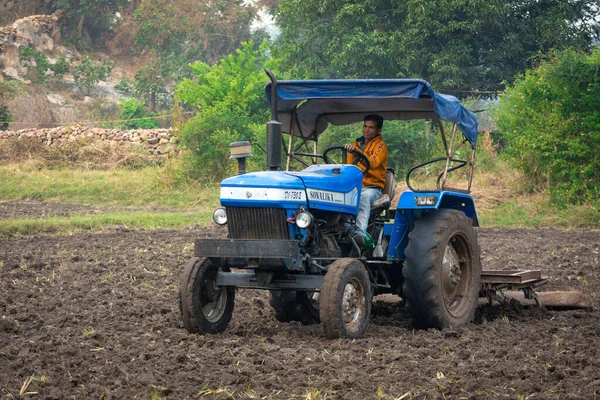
<point>388,192</point>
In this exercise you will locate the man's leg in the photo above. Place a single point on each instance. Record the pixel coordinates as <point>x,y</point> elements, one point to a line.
<point>367,196</point>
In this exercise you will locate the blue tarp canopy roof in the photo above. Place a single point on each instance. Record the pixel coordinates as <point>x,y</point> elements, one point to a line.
<point>318,103</point>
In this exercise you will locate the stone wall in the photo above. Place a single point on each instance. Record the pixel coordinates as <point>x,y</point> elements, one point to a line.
<point>158,142</point>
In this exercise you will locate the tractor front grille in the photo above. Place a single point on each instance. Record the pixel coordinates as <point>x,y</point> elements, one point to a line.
<point>257,223</point>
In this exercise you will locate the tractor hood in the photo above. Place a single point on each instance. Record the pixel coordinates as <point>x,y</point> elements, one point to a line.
<point>326,187</point>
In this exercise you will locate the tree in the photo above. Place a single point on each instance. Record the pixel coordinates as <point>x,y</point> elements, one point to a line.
<point>206,31</point>
<point>180,32</point>
<point>149,85</point>
<point>5,117</point>
<point>88,73</point>
<point>551,124</point>
<point>230,104</point>
<point>95,16</point>
<point>454,44</point>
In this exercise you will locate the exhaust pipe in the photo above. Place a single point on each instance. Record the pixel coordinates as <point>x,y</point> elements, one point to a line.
<point>274,137</point>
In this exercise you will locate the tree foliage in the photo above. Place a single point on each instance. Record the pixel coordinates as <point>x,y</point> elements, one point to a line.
<point>38,64</point>
<point>452,43</point>
<point>88,73</point>
<point>5,117</point>
<point>180,32</point>
<point>203,31</point>
<point>550,121</point>
<point>231,107</point>
<point>95,15</point>
<point>135,115</point>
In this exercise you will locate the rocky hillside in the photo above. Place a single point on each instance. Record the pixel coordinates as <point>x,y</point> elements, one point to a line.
<point>59,101</point>
<point>40,32</point>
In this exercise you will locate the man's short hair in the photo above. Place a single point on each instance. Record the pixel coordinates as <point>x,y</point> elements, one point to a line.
<point>375,117</point>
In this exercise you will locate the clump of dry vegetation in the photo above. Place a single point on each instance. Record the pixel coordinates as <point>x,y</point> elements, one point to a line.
<point>80,153</point>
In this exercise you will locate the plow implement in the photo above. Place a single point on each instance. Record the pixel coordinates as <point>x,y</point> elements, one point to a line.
<point>522,285</point>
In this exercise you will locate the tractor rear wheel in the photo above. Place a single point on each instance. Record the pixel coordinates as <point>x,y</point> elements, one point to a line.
<point>290,305</point>
<point>442,270</point>
<point>205,307</point>
<point>345,302</point>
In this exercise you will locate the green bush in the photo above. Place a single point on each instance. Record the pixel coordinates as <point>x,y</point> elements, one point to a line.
<point>5,117</point>
<point>124,85</point>
<point>136,115</point>
<point>31,58</point>
<point>88,73</point>
<point>231,107</point>
<point>550,121</point>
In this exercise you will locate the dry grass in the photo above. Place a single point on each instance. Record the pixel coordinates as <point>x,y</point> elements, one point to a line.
<point>490,189</point>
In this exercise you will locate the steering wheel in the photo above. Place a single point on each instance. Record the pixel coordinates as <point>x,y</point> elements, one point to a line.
<point>359,157</point>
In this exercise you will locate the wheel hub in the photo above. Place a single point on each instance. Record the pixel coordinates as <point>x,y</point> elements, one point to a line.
<point>450,272</point>
<point>351,302</point>
<point>214,302</point>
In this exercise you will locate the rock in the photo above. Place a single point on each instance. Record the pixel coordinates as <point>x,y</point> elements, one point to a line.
<point>37,31</point>
<point>78,95</point>
<point>69,52</point>
<point>12,73</point>
<point>153,140</point>
<point>10,58</point>
<point>88,100</point>
<point>56,99</point>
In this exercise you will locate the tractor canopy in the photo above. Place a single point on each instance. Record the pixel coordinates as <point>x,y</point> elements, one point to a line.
<point>306,107</point>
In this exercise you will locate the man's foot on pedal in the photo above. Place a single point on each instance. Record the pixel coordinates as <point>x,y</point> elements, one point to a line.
<point>360,241</point>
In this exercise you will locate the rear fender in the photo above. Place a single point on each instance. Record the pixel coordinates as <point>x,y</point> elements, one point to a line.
<point>443,199</point>
<point>408,210</point>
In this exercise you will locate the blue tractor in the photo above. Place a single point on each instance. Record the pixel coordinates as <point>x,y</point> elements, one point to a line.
<point>291,233</point>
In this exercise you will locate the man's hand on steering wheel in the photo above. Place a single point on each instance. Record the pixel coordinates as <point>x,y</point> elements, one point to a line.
<point>359,156</point>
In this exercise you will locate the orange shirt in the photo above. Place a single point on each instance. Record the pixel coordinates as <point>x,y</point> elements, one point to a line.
<point>377,153</point>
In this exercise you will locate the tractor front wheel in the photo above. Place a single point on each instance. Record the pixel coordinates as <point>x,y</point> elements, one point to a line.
<point>345,301</point>
<point>205,307</point>
<point>442,270</point>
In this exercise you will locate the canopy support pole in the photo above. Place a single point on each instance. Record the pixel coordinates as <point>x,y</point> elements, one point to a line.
<point>471,169</point>
<point>289,151</point>
<point>443,133</point>
<point>449,156</point>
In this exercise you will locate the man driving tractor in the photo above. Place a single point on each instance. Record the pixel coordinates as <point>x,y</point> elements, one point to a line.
<point>372,146</point>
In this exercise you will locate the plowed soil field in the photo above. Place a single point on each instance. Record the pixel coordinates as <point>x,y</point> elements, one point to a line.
<point>95,316</point>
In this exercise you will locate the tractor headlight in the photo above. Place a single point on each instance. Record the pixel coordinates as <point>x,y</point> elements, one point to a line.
<point>426,200</point>
<point>220,216</point>
<point>304,219</point>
